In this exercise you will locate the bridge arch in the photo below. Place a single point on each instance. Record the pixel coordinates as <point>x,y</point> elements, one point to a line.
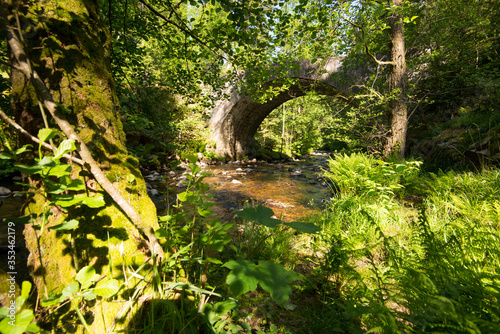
<point>235,121</point>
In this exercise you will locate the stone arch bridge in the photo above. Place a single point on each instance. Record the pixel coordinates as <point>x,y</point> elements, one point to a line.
<point>235,121</point>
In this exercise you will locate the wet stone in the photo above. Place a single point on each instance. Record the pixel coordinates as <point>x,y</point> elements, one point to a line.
<point>5,192</point>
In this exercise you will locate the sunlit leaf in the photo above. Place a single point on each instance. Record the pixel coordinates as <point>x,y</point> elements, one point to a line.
<point>70,200</point>
<point>89,295</point>
<point>70,289</point>
<point>204,212</point>
<point>25,292</point>
<point>192,158</point>
<point>86,276</point>
<point>166,218</point>
<point>58,170</point>
<point>184,196</point>
<point>6,155</point>
<point>131,178</point>
<point>107,288</point>
<point>94,201</point>
<point>25,148</point>
<point>66,146</point>
<point>22,321</point>
<point>46,134</point>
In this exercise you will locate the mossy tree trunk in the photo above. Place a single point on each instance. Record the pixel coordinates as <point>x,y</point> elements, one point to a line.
<point>68,46</point>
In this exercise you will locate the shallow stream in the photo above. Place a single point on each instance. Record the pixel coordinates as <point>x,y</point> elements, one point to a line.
<point>293,189</point>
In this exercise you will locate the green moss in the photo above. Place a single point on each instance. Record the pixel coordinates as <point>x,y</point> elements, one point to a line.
<point>74,65</point>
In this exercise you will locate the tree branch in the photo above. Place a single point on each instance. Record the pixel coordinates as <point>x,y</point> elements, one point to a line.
<point>379,62</point>
<point>35,139</point>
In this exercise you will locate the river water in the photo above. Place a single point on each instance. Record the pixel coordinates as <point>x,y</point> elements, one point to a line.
<point>293,189</point>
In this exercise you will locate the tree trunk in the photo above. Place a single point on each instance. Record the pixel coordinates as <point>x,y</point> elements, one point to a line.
<point>397,114</point>
<point>68,46</point>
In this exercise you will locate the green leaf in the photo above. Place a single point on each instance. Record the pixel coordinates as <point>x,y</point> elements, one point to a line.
<point>261,215</point>
<point>93,202</point>
<point>58,170</point>
<point>190,287</point>
<point>29,170</point>
<point>75,185</point>
<point>195,169</point>
<point>32,328</point>
<point>66,146</point>
<point>22,220</point>
<point>70,200</point>
<point>46,161</point>
<point>161,233</point>
<point>52,300</point>
<point>25,290</point>
<point>107,288</point>
<point>400,168</point>
<point>89,295</point>
<point>131,178</point>
<point>46,134</point>
<point>86,276</point>
<point>70,289</point>
<point>65,226</point>
<point>54,187</point>
<point>241,278</point>
<point>224,307</point>
<point>183,197</point>
<point>6,155</point>
<point>204,212</point>
<point>166,218</point>
<point>192,158</point>
<point>211,260</point>
<point>274,278</point>
<point>304,227</point>
<point>22,321</point>
<point>25,148</point>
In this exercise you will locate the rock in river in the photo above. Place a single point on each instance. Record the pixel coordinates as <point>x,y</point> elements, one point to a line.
<point>4,192</point>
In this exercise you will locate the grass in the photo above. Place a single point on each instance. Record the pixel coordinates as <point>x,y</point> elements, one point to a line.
<point>388,265</point>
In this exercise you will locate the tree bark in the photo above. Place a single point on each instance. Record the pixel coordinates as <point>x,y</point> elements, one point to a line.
<point>397,114</point>
<point>65,51</point>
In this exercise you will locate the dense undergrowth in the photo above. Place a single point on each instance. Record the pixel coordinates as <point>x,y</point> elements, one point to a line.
<point>406,252</point>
